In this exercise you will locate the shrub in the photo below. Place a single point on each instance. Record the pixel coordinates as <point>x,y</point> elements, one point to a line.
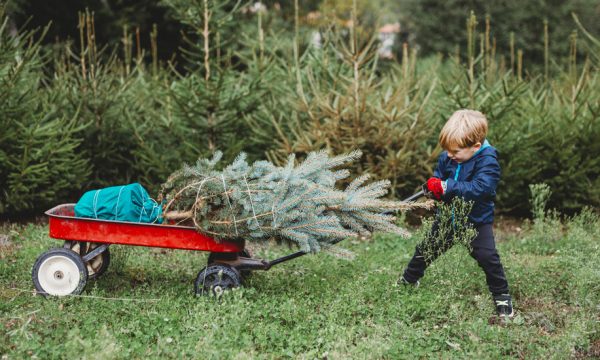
<point>342,102</point>
<point>39,162</point>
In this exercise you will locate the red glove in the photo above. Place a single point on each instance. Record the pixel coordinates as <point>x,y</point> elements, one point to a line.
<point>434,185</point>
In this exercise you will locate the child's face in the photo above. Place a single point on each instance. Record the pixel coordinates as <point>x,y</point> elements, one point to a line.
<point>461,155</point>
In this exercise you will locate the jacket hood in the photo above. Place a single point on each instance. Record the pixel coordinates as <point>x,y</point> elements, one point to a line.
<point>485,150</point>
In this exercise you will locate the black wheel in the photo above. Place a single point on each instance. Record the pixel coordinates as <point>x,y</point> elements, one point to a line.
<point>215,279</point>
<point>214,258</point>
<point>96,266</point>
<point>59,272</point>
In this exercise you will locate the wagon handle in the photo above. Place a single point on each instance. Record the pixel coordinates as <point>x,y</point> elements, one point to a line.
<point>271,263</point>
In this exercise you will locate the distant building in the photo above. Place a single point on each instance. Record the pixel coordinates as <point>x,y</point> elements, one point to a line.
<point>316,40</point>
<point>387,37</point>
<point>313,17</point>
<point>388,34</point>
<point>256,7</point>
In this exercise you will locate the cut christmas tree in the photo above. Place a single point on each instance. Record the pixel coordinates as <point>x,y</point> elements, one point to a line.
<point>296,203</point>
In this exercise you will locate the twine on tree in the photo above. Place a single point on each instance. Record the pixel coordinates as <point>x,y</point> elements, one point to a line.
<point>180,192</point>
<point>251,203</point>
<point>229,202</point>
<point>196,202</point>
<point>299,204</point>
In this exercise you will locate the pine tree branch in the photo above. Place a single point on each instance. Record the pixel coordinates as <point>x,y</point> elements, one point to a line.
<point>293,203</point>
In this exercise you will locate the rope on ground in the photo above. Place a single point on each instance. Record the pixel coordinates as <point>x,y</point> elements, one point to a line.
<point>91,296</point>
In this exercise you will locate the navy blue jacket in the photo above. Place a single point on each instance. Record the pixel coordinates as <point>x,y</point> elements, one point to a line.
<point>475,179</point>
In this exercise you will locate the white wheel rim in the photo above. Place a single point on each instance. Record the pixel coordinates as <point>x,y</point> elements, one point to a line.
<point>58,275</point>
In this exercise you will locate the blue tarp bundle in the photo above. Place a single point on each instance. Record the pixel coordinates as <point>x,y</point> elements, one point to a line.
<point>123,203</point>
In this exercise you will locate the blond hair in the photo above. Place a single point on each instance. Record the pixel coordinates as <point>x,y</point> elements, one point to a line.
<point>465,128</point>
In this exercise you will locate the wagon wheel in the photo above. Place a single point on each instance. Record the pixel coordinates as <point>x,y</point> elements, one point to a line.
<point>59,272</point>
<point>213,258</point>
<point>96,266</point>
<point>215,279</point>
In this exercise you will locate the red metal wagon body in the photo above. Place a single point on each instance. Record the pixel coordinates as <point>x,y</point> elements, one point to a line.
<point>64,225</point>
<point>85,254</point>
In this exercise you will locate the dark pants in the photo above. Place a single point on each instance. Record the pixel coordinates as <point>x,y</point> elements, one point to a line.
<point>483,250</point>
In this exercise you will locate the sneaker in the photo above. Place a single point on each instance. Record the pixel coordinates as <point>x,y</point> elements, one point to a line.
<point>504,306</point>
<point>403,281</point>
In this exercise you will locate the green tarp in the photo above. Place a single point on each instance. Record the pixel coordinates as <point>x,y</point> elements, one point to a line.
<point>123,203</point>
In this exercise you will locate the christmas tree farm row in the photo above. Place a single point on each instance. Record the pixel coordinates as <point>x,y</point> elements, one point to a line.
<point>76,115</point>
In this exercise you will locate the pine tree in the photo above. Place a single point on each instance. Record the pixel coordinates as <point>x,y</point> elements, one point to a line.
<point>216,95</point>
<point>159,136</point>
<point>343,101</point>
<point>294,203</point>
<point>38,157</point>
<point>92,88</point>
<point>116,99</point>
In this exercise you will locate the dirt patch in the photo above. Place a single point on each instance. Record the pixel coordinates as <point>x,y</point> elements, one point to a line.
<point>547,316</point>
<point>11,323</point>
<point>160,251</point>
<point>7,247</point>
<point>593,352</point>
<point>497,320</point>
<point>505,227</point>
<point>535,304</point>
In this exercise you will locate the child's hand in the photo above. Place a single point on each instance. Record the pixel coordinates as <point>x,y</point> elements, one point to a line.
<point>435,187</point>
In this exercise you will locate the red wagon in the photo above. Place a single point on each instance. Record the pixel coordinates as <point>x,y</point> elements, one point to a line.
<point>85,255</point>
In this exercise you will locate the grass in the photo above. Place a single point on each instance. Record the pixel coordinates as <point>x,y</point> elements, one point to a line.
<point>315,306</point>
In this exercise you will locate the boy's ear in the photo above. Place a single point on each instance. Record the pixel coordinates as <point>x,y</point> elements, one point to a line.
<point>477,146</point>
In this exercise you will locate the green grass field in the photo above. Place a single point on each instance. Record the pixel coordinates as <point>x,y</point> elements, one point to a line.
<point>317,306</point>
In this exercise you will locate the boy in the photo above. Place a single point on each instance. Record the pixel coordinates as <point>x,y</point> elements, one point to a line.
<point>468,168</point>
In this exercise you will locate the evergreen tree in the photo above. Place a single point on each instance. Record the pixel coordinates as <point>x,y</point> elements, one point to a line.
<point>293,203</point>
<point>439,26</point>
<point>343,101</point>
<point>38,157</point>
<point>102,92</point>
<point>545,129</point>
<point>110,17</point>
<point>221,89</point>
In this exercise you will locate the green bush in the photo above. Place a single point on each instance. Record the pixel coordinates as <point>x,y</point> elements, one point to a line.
<point>341,102</point>
<point>94,92</point>
<point>93,118</point>
<point>39,162</point>
<point>438,26</point>
<point>546,130</point>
